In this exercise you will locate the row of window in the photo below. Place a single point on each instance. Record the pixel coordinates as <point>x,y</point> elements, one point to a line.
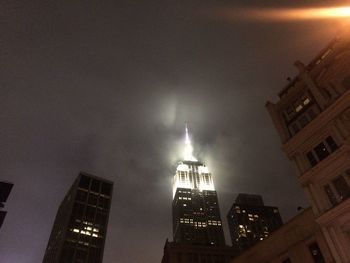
<point>185,179</point>
<point>301,121</point>
<point>95,185</point>
<point>89,213</point>
<point>296,107</point>
<point>92,199</point>
<point>204,224</point>
<point>321,151</point>
<point>185,198</point>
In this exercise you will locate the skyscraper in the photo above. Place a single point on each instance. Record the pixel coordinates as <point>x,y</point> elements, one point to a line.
<point>5,189</point>
<point>80,226</point>
<point>312,118</point>
<point>250,221</point>
<point>196,213</point>
<point>197,227</point>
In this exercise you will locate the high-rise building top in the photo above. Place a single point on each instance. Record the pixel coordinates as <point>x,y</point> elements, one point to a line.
<point>249,199</point>
<point>251,221</point>
<point>79,230</point>
<point>312,118</point>
<point>196,213</point>
<point>5,189</point>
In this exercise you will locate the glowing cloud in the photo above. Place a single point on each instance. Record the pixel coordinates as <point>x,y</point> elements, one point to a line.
<point>188,152</point>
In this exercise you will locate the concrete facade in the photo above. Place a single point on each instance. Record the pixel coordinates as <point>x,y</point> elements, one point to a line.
<point>312,118</point>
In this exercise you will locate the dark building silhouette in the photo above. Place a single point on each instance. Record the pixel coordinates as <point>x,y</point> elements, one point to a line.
<point>5,189</point>
<point>250,221</point>
<point>80,226</point>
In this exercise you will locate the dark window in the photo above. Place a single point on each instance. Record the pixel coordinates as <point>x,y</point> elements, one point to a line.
<point>103,202</point>
<point>81,196</point>
<point>316,253</point>
<point>287,260</point>
<point>101,218</point>
<point>312,160</point>
<point>84,182</point>
<point>289,111</point>
<point>90,213</point>
<point>94,255</point>
<point>342,187</point>
<point>346,82</point>
<point>80,256</point>
<point>312,114</point>
<point>67,253</point>
<point>78,210</point>
<point>303,121</point>
<point>321,151</point>
<point>106,189</point>
<point>330,195</point>
<point>331,143</point>
<point>294,128</point>
<point>95,186</point>
<point>92,199</point>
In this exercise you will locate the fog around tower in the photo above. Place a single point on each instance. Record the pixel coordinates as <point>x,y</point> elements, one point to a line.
<point>107,89</point>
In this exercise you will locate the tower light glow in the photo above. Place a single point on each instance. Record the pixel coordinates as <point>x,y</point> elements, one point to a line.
<point>188,151</point>
<point>287,14</point>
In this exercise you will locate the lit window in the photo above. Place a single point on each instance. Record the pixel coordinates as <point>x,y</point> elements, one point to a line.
<point>306,101</point>
<point>298,108</point>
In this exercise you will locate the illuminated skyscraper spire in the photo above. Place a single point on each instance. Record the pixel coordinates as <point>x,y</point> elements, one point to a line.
<point>188,152</point>
<point>196,213</point>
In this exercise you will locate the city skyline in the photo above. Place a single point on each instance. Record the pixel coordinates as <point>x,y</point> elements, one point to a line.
<point>106,88</point>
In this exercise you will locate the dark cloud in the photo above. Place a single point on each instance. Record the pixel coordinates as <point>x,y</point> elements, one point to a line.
<point>107,87</point>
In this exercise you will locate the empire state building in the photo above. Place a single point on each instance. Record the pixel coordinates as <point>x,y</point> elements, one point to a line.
<point>196,213</point>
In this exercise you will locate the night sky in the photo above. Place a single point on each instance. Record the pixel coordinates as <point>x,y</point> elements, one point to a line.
<point>106,87</point>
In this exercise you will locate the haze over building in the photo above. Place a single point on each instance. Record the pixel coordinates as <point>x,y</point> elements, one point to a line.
<point>79,230</point>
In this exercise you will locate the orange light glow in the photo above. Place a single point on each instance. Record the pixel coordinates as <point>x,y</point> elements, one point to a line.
<point>290,14</point>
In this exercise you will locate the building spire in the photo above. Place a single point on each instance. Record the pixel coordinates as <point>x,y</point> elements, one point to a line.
<point>188,152</point>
